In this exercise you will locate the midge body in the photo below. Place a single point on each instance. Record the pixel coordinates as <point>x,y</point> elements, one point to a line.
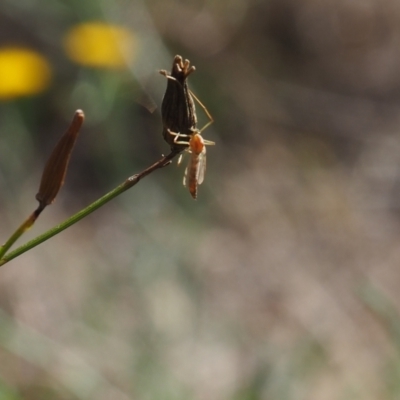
<point>180,119</point>
<point>196,168</point>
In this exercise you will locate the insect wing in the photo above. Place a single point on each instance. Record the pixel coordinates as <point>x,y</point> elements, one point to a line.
<point>188,169</point>
<point>185,177</point>
<point>201,168</point>
<point>195,169</point>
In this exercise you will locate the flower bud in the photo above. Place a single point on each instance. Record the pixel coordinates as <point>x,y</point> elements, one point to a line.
<point>56,167</point>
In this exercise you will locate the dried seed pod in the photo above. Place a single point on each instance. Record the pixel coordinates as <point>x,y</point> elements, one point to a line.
<point>56,167</point>
<point>178,110</point>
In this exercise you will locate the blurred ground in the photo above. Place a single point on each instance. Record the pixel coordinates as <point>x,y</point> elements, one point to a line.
<point>281,280</point>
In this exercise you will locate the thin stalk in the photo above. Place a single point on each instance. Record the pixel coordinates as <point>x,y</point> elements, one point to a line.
<point>27,224</point>
<point>131,181</point>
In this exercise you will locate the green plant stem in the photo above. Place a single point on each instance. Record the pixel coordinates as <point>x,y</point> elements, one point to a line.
<point>131,181</point>
<point>18,233</point>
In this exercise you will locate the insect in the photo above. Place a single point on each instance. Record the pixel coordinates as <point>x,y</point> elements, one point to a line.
<point>196,147</point>
<point>179,119</point>
<point>194,173</point>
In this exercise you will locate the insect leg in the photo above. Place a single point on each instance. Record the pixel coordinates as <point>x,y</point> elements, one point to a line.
<point>179,135</point>
<point>165,73</point>
<point>211,119</point>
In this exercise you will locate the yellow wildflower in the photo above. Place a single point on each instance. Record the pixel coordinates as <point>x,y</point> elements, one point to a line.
<point>98,44</point>
<point>23,72</point>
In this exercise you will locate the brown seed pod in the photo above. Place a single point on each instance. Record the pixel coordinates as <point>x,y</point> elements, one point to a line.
<point>57,164</point>
<point>178,110</point>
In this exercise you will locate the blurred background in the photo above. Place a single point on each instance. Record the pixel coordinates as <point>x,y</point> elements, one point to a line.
<point>282,280</point>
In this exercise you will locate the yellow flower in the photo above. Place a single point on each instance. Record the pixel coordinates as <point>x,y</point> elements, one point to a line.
<point>23,72</point>
<point>98,44</point>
